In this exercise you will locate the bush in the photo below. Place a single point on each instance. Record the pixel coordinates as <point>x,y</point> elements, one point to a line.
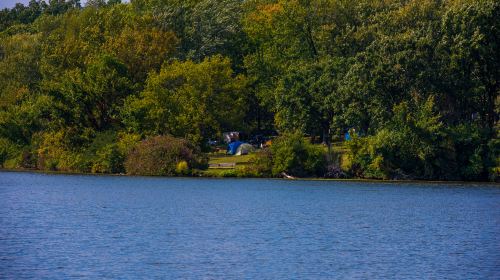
<point>231,173</point>
<point>416,145</point>
<point>7,150</point>
<point>335,172</point>
<point>108,160</point>
<point>263,163</point>
<point>412,145</point>
<point>51,150</point>
<point>127,142</point>
<point>474,154</point>
<point>494,156</point>
<point>101,152</point>
<point>161,155</point>
<point>55,153</point>
<point>291,154</point>
<point>182,168</point>
<point>367,156</point>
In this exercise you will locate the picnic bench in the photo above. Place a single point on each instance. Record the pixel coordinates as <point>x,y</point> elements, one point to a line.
<point>222,165</point>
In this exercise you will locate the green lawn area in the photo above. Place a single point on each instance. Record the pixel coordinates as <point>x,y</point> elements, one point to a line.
<point>245,159</point>
<point>337,147</point>
<point>222,157</point>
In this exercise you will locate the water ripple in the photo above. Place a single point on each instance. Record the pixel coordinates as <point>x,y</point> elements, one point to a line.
<point>98,227</point>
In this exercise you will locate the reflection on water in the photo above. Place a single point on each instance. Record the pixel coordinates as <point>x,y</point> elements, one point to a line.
<point>67,226</point>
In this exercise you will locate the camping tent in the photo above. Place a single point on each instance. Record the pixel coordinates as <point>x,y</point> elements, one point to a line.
<point>232,148</point>
<point>244,149</point>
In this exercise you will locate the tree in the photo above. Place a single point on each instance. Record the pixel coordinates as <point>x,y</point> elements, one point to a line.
<point>205,28</point>
<point>93,97</point>
<point>470,57</point>
<point>142,49</point>
<point>19,77</point>
<point>191,100</point>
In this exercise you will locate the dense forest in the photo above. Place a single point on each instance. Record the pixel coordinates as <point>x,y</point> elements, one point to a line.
<point>418,80</point>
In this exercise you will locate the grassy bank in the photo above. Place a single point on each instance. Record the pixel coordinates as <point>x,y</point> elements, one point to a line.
<point>236,165</point>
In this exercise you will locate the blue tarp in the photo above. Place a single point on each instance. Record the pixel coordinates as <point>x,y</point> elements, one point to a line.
<point>233,147</point>
<point>347,136</point>
<point>350,133</point>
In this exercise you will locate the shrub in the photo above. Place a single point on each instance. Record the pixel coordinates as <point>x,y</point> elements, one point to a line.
<point>230,173</point>
<point>108,160</point>
<point>28,158</point>
<point>127,141</point>
<point>182,168</point>
<point>55,153</point>
<point>334,171</point>
<point>51,150</point>
<point>291,154</point>
<point>367,155</point>
<point>160,156</point>
<point>413,145</point>
<point>7,150</point>
<point>416,145</point>
<point>97,152</point>
<point>263,163</point>
<point>494,156</point>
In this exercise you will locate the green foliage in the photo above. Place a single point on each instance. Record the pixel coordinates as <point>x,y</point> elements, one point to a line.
<point>92,98</point>
<point>54,153</point>
<point>416,145</point>
<point>263,163</point>
<point>207,27</point>
<point>127,141</point>
<point>291,154</point>
<point>142,50</point>
<point>7,150</point>
<point>409,146</point>
<point>21,14</point>
<point>163,156</point>
<point>244,172</point>
<point>494,155</point>
<point>308,99</point>
<point>81,86</point>
<point>109,160</point>
<point>470,142</point>
<point>182,168</point>
<point>365,160</point>
<point>101,153</point>
<point>195,101</point>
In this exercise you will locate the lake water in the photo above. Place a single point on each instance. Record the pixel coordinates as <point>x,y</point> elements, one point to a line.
<point>99,227</point>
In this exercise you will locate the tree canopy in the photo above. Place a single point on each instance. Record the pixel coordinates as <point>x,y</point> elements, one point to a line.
<point>424,74</point>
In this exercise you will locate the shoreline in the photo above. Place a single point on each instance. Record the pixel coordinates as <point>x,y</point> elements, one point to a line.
<point>360,180</point>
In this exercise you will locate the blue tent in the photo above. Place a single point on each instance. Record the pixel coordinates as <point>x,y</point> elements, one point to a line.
<point>347,136</point>
<point>350,133</point>
<point>233,147</point>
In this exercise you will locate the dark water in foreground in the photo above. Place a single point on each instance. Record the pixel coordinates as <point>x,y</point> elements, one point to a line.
<point>64,227</point>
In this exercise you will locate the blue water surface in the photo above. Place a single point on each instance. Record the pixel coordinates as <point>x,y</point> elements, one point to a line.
<point>113,227</point>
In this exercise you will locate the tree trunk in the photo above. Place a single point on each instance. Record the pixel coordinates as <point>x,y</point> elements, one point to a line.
<point>328,142</point>
<point>492,115</point>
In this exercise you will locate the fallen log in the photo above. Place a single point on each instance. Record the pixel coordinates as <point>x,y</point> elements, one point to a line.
<point>286,176</point>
